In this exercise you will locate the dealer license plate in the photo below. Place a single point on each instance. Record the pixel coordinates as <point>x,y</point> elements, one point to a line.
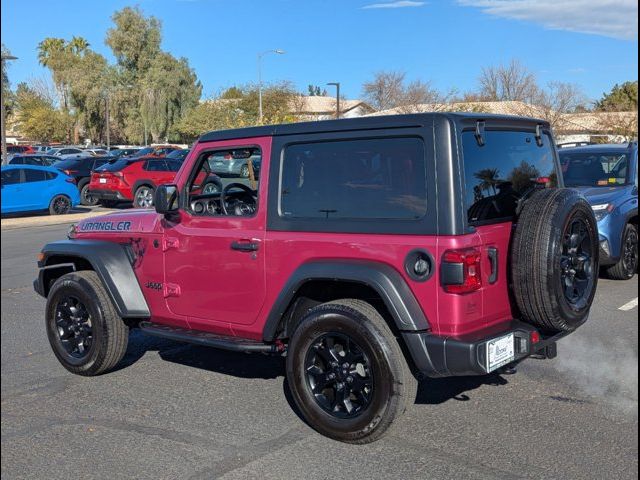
<point>500,351</point>
<point>103,180</point>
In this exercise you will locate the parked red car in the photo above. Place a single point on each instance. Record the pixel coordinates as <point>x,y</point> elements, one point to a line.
<point>132,179</point>
<point>21,149</point>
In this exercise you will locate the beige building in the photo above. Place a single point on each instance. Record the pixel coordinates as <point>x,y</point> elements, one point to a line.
<point>568,127</point>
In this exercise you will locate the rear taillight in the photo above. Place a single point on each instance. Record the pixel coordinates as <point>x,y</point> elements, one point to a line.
<point>460,271</point>
<point>70,172</point>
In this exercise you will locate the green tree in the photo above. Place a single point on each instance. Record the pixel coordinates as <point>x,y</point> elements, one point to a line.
<point>489,178</point>
<point>168,90</point>
<point>38,118</point>
<point>7,95</point>
<point>134,41</point>
<point>621,98</point>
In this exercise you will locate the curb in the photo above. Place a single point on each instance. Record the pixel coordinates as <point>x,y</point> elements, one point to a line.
<point>47,220</point>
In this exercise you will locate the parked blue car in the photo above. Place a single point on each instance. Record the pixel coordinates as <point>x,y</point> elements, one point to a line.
<point>29,188</point>
<point>608,176</point>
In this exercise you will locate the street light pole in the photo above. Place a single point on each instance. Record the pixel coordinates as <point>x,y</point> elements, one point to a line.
<point>2,112</point>
<point>337,85</point>
<point>260,55</point>
<point>107,119</point>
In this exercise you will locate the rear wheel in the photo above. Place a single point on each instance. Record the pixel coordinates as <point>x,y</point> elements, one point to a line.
<point>84,330</point>
<point>347,373</point>
<point>143,197</point>
<point>85,197</point>
<point>627,266</point>
<point>60,204</point>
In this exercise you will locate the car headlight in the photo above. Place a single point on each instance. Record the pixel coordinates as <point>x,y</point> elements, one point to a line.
<point>602,210</point>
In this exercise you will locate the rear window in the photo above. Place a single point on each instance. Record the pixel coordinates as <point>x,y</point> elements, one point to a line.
<point>117,165</point>
<point>354,179</point>
<point>501,171</point>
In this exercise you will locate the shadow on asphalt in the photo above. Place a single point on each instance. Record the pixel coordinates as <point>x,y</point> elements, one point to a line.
<point>431,391</point>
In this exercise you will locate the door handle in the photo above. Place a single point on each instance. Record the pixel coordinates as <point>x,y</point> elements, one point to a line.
<point>493,258</point>
<point>244,246</point>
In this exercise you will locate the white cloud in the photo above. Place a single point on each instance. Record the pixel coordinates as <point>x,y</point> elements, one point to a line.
<point>396,4</point>
<point>610,18</point>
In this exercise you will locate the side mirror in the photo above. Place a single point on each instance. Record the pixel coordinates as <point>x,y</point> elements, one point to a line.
<point>166,199</point>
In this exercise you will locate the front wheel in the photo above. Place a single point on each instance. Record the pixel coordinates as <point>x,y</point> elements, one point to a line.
<point>627,266</point>
<point>60,204</point>
<point>143,197</point>
<point>84,330</point>
<point>347,373</point>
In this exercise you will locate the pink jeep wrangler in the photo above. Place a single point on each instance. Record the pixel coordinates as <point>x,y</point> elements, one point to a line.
<point>371,252</point>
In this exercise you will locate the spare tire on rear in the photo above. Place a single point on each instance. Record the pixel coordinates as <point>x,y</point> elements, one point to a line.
<point>554,260</point>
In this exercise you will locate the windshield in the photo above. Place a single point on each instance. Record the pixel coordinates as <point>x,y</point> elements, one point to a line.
<point>594,169</point>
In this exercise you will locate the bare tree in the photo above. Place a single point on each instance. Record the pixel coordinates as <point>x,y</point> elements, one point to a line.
<point>508,82</point>
<point>389,90</point>
<point>558,99</point>
<point>385,90</point>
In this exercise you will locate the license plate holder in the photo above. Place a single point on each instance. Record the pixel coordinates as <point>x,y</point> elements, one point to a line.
<point>103,180</point>
<point>500,352</point>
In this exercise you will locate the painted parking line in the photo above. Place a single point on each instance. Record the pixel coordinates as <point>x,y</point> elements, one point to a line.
<point>629,306</point>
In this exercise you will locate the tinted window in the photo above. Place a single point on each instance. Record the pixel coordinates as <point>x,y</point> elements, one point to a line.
<point>497,174</point>
<point>34,175</point>
<point>50,175</point>
<point>173,165</point>
<point>100,162</point>
<point>155,166</point>
<point>17,161</point>
<point>116,166</point>
<point>381,178</point>
<point>594,169</point>
<point>10,177</point>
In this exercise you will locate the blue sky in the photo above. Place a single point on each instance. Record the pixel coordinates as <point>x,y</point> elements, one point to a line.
<point>592,43</point>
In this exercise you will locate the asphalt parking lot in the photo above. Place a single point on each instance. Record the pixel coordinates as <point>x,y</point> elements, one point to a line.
<point>178,411</point>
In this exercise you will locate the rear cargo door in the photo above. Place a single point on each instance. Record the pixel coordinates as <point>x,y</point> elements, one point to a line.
<point>507,166</point>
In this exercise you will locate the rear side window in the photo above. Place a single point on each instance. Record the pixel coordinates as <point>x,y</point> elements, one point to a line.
<point>34,175</point>
<point>504,169</point>
<point>173,165</point>
<point>354,179</point>
<point>155,166</point>
<point>11,177</point>
<point>17,161</point>
<point>50,175</point>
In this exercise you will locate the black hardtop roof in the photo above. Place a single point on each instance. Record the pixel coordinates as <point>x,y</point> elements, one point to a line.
<point>601,148</point>
<point>372,122</point>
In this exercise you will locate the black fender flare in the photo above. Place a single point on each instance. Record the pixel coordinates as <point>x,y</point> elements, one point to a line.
<point>111,262</point>
<point>384,279</point>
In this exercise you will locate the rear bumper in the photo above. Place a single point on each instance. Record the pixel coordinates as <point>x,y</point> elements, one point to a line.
<point>436,356</point>
<point>101,194</point>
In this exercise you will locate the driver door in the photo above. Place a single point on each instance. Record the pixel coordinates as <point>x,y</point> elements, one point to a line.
<point>215,263</point>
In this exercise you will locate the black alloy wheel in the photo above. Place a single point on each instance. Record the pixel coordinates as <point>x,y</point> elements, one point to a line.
<point>339,375</point>
<point>577,263</point>
<point>630,251</point>
<point>60,205</point>
<point>74,327</point>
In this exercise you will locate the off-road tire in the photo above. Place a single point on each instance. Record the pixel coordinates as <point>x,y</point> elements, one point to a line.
<point>86,199</point>
<point>60,205</point>
<point>538,265</point>
<point>110,333</point>
<point>394,385</point>
<point>626,268</point>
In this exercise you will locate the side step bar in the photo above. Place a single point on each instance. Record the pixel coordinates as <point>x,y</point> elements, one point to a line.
<point>207,339</point>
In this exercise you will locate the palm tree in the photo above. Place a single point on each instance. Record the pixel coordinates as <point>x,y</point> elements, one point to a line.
<point>48,49</point>
<point>489,178</point>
